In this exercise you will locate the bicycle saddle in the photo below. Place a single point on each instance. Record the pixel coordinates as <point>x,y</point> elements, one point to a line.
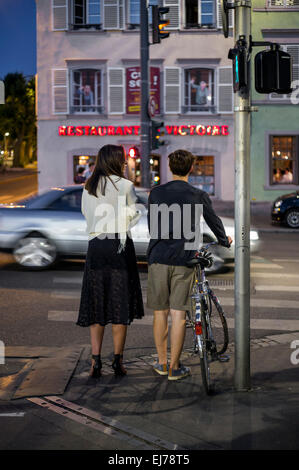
<point>205,260</point>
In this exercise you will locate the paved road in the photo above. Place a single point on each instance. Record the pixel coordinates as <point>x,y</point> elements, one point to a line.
<point>40,308</point>
<point>17,187</point>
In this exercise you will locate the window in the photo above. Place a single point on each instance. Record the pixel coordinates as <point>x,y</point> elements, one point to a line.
<point>86,91</point>
<point>283,3</point>
<point>199,90</point>
<point>134,12</point>
<point>200,13</point>
<point>68,202</point>
<point>86,14</point>
<point>203,174</point>
<point>284,159</point>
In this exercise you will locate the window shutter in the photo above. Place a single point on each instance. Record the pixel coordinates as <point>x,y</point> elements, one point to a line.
<point>60,91</point>
<point>116,82</point>
<point>59,15</point>
<point>174,13</point>
<point>225,96</point>
<point>113,14</point>
<point>293,49</point>
<point>172,90</point>
<point>219,17</point>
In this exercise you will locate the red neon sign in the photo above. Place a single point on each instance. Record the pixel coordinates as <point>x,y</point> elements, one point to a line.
<point>183,130</point>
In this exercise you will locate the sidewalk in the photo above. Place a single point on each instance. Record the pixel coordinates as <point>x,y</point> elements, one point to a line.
<point>145,411</point>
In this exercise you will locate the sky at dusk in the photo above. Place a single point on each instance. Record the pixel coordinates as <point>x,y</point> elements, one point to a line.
<point>17,37</point>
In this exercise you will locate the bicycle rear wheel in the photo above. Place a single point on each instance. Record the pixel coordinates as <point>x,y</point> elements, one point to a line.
<point>204,355</point>
<point>218,324</point>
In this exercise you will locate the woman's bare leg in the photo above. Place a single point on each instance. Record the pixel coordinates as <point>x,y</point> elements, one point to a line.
<point>96,336</point>
<point>119,333</point>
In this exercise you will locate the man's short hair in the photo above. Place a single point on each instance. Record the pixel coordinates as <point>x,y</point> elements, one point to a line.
<point>180,162</point>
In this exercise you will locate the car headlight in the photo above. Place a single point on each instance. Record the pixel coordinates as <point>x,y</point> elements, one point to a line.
<point>278,203</point>
<point>254,235</point>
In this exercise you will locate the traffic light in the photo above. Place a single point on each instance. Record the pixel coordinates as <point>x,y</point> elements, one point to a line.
<point>133,152</point>
<point>157,132</point>
<point>159,24</point>
<point>240,65</point>
<point>273,71</point>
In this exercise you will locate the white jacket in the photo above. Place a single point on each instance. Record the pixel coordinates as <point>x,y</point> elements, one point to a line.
<point>114,212</point>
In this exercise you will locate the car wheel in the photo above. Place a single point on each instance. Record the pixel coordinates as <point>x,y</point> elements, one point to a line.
<point>292,218</point>
<point>35,252</point>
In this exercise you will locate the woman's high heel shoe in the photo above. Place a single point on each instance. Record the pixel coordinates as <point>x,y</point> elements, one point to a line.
<point>97,366</point>
<point>117,365</point>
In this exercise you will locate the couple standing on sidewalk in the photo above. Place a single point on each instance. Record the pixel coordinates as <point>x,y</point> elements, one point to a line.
<point>111,291</point>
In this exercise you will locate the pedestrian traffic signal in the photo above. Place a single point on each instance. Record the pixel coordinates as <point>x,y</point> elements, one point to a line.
<point>134,152</point>
<point>157,133</point>
<point>159,23</point>
<point>273,71</point>
<point>240,65</point>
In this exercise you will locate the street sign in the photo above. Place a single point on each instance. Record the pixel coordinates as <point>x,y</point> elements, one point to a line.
<point>2,92</point>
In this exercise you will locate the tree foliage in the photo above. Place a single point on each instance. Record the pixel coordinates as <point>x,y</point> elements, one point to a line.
<point>17,116</point>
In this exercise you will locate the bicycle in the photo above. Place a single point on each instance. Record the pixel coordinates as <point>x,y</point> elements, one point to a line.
<point>203,322</point>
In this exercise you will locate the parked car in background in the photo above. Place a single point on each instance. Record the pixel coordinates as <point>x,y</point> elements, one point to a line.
<point>285,209</point>
<point>50,225</point>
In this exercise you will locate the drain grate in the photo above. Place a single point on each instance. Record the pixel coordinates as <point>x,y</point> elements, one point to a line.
<point>221,282</point>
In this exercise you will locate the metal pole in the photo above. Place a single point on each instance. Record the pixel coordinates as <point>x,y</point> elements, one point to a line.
<point>145,119</point>
<point>242,212</point>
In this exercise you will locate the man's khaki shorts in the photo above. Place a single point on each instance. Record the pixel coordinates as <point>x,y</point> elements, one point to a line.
<point>169,287</point>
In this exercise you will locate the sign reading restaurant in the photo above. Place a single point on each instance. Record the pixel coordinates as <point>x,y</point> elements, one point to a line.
<point>209,130</point>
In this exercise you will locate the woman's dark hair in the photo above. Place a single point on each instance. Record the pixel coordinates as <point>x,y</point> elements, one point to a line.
<point>180,162</point>
<point>109,161</point>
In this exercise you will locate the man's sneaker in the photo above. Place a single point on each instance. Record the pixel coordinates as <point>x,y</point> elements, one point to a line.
<point>161,369</point>
<point>177,374</point>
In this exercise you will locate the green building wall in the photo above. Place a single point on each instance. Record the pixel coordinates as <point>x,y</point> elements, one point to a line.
<point>272,117</point>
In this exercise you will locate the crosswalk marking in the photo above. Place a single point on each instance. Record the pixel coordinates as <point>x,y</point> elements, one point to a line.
<point>277,288</point>
<point>286,260</point>
<point>275,275</point>
<point>147,320</point>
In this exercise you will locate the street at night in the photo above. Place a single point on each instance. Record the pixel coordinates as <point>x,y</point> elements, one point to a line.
<point>149,230</point>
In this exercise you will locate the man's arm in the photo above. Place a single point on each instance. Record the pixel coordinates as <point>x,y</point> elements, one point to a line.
<point>213,221</point>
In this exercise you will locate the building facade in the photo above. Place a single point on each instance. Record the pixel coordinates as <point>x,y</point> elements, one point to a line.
<point>275,127</point>
<point>88,82</point>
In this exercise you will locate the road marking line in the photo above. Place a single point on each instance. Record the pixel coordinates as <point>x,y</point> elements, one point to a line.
<point>68,280</point>
<point>104,424</point>
<point>286,260</point>
<point>69,294</point>
<point>275,275</point>
<point>262,303</point>
<point>277,288</point>
<point>13,415</point>
<point>63,315</point>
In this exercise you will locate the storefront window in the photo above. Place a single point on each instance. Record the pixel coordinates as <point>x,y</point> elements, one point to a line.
<point>203,175</point>
<point>81,167</point>
<point>284,152</point>
<point>199,90</point>
<point>86,91</point>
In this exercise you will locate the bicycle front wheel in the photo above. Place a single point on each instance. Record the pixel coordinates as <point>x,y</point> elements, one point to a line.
<point>218,324</point>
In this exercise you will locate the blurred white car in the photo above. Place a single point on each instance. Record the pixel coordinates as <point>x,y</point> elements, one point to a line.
<point>50,225</point>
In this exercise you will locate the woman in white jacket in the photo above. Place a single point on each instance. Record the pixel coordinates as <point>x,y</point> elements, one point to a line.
<point>111,291</point>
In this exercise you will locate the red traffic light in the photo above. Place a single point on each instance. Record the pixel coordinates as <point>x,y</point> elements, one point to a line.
<point>133,152</point>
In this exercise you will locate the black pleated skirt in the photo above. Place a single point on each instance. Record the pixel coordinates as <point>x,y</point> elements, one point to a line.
<point>111,291</point>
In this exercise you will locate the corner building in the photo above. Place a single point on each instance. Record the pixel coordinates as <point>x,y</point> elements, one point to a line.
<point>88,80</point>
